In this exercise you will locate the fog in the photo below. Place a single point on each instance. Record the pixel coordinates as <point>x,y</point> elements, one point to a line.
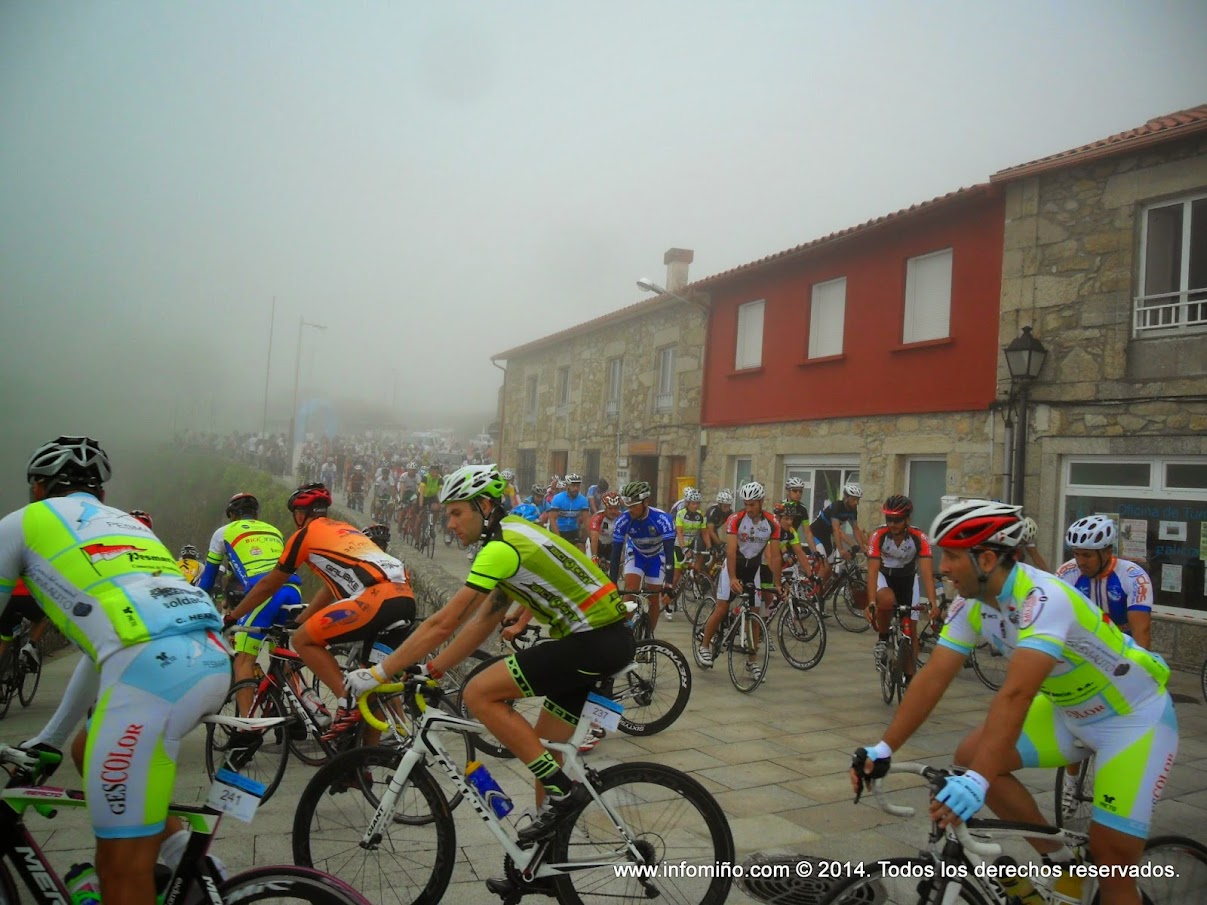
<point>438,182</point>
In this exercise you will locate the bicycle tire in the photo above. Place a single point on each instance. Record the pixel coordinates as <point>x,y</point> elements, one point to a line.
<point>847,610</point>
<point>413,861</point>
<point>701,610</point>
<point>899,881</point>
<point>486,743</point>
<point>25,689</point>
<point>8,684</point>
<point>267,765</point>
<point>888,682</point>
<point>1184,859</point>
<point>1077,813</point>
<point>744,678</point>
<point>657,694</point>
<point>312,750</point>
<point>685,826</point>
<point>1203,680</point>
<point>801,634</point>
<point>698,633</point>
<point>283,883</point>
<point>989,666</point>
<point>905,654</point>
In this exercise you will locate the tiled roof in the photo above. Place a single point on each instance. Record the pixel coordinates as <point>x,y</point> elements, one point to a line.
<point>635,310</point>
<point>1170,127</point>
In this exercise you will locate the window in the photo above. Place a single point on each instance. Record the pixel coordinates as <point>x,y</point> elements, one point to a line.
<point>664,399</point>
<point>823,478</point>
<point>615,374</point>
<point>563,387</point>
<point>750,336</point>
<point>927,297</point>
<point>1173,269</point>
<point>742,473</point>
<point>1160,509</point>
<point>827,312</point>
<point>590,467</point>
<point>525,472</point>
<point>925,482</point>
<point>530,397</point>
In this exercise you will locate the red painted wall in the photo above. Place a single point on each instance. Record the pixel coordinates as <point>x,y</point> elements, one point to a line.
<point>876,375</point>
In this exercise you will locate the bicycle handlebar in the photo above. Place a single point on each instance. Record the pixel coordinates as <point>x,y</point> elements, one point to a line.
<point>414,688</point>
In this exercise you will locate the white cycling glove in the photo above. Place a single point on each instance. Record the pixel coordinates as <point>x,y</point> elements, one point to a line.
<point>360,681</point>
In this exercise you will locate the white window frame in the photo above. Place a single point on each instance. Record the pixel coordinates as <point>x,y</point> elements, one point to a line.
<point>826,309</point>
<point>664,391</point>
<point>615,382</point>
<point>738,481</point>
<point>927,317</point>
<point>806,468</point>
<point>749,347</point>
<point>1174,312</point>
<point>1157,493</point>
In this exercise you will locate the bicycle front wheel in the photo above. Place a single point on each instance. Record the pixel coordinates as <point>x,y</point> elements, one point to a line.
<point>802,634</point>
<point>656,692</point>
<point>888,667</point>
<point>269,748</point>
<point>989,666</point>
<point>902,881</point>
<point>284,883</point>
<point>667,818</point>
<point>850,606</point>
<point>27,681</point>
<point>1173,869</point>
<point>411,862</point>
<point>749,657</point>
<point>905,659</point>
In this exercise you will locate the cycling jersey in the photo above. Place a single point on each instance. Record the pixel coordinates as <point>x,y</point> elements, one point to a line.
<point>898,558</point>
<point>190,568</point>
<point>339,554</point>
<point>1100,672</point>
<point>1125,587</point>
<point>567,508</point>
<point>647,537</point>
<point>822,529</point>
<point>691,523</point>
<point>527,510</point>
<point>430,486</point>
<point>564,590</point>
<point>753,534</point>
<point>250,547</point>
<point>102,577</point>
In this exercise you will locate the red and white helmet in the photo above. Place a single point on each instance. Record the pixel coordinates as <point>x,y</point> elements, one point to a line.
<point>978,523</point>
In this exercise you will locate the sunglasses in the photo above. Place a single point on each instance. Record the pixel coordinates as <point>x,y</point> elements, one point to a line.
<point>894,519</point>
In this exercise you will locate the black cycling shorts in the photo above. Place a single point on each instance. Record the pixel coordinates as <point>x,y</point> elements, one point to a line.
<point>564,671</point>
<point>20,606</point>
<point>570,536</point>
<point>752,570</point>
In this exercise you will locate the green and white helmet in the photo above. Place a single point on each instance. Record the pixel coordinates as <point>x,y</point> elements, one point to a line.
<point>634,492</point>
<point>471,481</point>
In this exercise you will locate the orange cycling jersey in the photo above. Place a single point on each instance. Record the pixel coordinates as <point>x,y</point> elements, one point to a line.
<point>339,554</point>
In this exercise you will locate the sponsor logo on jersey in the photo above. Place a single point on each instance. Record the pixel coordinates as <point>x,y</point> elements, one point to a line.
<point>107,552</point>
<point>1033,605</point>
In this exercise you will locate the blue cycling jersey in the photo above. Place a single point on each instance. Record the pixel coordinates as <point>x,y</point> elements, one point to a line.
<point>527,510</point>
<point>567,509</point>
<point>646,536</point>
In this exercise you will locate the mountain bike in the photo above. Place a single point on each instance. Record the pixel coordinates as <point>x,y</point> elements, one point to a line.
<point>19,675</point>
<point>744,634</point>
<point>376,816</point>
<point>195,880</point>
<point>960,860</point>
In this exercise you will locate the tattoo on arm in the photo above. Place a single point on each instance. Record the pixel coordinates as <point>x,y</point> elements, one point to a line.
<point>498,601</point>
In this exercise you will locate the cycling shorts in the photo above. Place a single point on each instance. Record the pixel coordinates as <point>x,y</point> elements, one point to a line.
<point>19,606</point>
<point>364,616</point>
<point>654,569</point>
<point>265,615</point>
<point>906,585</point>
<point>1134,755</point>
<point>570,536</point>
<point>565,670</point>
<point>151,696</point>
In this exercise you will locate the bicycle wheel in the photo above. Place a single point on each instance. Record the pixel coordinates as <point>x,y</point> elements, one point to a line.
<point>27,680</point>
<point>989,666</point>
<point>1075,808</point>
<point>267,763</point>
<point>310,748</point>
<point>749,658</point>
<point>905,657</point>
<point>285,883</point>
<point>1182,864</point>
<point>698,625</point>
<point>700,609</point>
<point>801,633</point>
<point>888,681</point>
<point>850,606</point>
<point>900,881</point>
<point>670,817</point>
<point>411,862</point>
<point>1203,680</point>
<point>656,692</point>
<point>529,708</point>
<point>431,541</point>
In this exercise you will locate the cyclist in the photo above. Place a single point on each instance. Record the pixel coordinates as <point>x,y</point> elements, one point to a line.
<point>380,535</point>
<point>571,512</point>
<point>565,591</point>
<point>429,488</point>
<point>510,498</point>
<point>249,548</point>
<point>150,643</point>
<point>897,554</point>
<point>792,552</point>
<point>189,563</point>
<point>1028,549</point>
<point>828,526</point>
<point>794,492</point>
<point>21,605</point>
<point>355,491</point>
<point>749,534</point>
<point>1119,587</point>
<point>1071,675</point>
<point>689,524</point>
<point>364,590</point>
<point>527,510</point>
<point>645,537</point>
<point>144,517</point>
<point>601,527</point>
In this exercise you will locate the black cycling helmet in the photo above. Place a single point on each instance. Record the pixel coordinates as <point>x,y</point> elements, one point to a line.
<point>144,517</point>
<point>379,534</point>
<point>311,498</point>
<point>75,461</point>
<point>243,505</point>
<point>188,551</point>
<point>898,505</point>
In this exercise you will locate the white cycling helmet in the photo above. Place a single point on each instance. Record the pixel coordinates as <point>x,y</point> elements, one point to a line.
<point>508,475</point>
<point>691,495</point>
<point>572,478</point>
<point>472,481</point>
<point>852,489</point>
<point>724,497</point>
<point>794,484</point>
<point>978,523</point>
<point>1030,529</point>
<point>1094,532</point>
<point>752,491</point>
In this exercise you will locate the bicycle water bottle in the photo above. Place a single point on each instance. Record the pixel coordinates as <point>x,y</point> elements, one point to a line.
<point>83,885</point>
<point>1067,889</point>
<point>1018,887</point>
<point>484,784</point>
<point>310,700</point>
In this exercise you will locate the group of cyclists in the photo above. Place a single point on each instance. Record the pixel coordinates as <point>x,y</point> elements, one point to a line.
<point>1080,679</point>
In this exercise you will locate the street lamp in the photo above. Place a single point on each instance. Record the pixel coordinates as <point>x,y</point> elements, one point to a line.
<point>650,286</point>
<point>1025,356</point>
<point>297,367</point>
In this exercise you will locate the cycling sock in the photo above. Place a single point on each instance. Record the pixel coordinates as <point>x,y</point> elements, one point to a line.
<point>1062,855</point>
<point>551,776</point>
<point>172,849</point>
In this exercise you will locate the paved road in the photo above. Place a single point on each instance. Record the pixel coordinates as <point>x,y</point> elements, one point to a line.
<point>775,761</point>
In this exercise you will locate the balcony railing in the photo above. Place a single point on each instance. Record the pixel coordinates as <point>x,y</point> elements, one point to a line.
<point>1169,312</point>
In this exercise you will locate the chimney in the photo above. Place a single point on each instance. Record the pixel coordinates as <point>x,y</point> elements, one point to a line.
<point>677,261</point>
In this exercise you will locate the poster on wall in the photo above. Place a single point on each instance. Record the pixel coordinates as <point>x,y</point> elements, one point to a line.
<point>1171,578</point>
<point>1203,541</point>
<point>1175,531</point>
<point>1133,535</point>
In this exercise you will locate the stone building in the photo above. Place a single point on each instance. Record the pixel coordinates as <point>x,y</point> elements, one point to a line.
<point>1106,259</point>
<point>617,397</point>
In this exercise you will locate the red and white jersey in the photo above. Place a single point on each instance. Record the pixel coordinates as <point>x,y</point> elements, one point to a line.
<point>753,535</point>
<point>893,555</point>
<point>602,524</point>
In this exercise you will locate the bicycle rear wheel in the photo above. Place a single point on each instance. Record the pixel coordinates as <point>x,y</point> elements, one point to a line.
<point>989,666</point>
<point>1075,809</point>
<point>411,862</point>
<point>27,680</point>
<point>888,671</point>
<point>801,633</point>
<point>850,606</point>
<point>283,883</point>
<point>271,750</point>
<point>749,658</point>
<point>670,818</point>
<point>901,881</point>
<point>657,691</point>
<point>1182,863</point>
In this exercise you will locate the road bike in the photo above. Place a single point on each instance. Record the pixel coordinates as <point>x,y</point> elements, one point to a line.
<point>990,665</point>
<point>896,663</point>
<point>744,634</point>
<point>376,817</point>
<point>195,880</point>
<point>799,628</point>
<point>427,534</point>
<point>847,591</point>
<point>959,862</point>
<point>1074,803</point>
<point>19,673</point>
